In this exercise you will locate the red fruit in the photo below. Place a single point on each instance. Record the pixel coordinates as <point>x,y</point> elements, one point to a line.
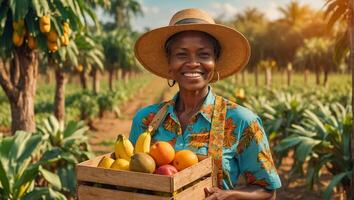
<point>168,170</point>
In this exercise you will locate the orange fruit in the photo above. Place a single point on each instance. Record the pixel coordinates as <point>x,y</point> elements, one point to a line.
<point>52,46</point>
<point>17,39</point>
<point>44,24</point>
<point>184,159</point>
<point>162,152</point>
<point>32,43</point>
<point>52,36</point>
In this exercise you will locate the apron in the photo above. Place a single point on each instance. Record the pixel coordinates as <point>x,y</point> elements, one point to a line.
<point>216,135</point>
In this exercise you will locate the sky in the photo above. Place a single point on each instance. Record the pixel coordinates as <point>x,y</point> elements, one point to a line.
<point>157,13</point>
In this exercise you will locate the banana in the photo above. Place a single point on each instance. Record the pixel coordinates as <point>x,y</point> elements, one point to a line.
<point>123,148</point>
<point>143,143</point>
<point>121,164</point>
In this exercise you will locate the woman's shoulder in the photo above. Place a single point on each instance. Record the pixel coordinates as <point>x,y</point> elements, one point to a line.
<point>149,110</point>
<point>239,112</point>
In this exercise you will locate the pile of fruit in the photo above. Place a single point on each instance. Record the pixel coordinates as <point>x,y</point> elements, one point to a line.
<point>159,158</point>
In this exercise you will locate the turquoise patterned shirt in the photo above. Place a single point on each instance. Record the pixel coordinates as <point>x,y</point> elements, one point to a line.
<point>245,148</point>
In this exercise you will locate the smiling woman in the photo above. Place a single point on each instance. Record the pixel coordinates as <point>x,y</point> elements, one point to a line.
<point>193,51</point>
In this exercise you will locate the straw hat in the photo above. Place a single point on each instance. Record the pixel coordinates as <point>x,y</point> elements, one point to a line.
<point>235,49</point>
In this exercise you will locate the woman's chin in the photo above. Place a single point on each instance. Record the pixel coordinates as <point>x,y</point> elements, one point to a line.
<point>195,86</point>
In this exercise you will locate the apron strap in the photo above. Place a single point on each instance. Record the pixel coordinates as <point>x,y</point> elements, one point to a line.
<point>216,139</point>
<point>156,121</point>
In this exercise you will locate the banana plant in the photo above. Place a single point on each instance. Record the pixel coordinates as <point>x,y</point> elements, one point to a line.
<point>322,141</point>
<point>21,163</point>
<point>71,143</point>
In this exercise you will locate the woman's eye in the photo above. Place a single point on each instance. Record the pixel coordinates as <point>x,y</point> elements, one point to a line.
<point>181,55</point>
<point>205,55</point>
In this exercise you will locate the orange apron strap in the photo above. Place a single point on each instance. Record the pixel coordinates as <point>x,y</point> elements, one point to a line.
<point>216,139</point>
<point>156,121</point>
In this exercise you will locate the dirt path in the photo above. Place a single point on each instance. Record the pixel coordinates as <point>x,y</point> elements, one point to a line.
<point>108,127</point>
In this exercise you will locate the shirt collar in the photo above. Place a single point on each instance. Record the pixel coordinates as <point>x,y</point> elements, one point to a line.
<point>206,109</point>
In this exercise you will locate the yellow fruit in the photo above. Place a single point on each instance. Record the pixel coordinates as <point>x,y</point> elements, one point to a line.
<point>123,148</point>
<point>66,28</point>
<point>121,164</point>
<point>18,25</point>
<point>44,24</point>
<point>64,40</point>
<point>32,42</point>
<point>142,162</point>
<point>106,162</point>
<point>52,46</point>
<point>143,143</point>
<point>79,68</point>
<point>240,93</point>
<point>17,39</point>
<point>52,36</point>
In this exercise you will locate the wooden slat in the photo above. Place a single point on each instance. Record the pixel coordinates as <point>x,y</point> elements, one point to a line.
<point>94,161</point>
<point>124,178</point>
<point>94,193</point>
<point>192,173</point>
<point>196,192</point>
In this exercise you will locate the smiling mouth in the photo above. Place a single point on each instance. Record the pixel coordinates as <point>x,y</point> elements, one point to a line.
<point>193,74</point>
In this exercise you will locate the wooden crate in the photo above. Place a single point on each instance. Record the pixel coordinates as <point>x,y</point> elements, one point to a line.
<point>99,183</point>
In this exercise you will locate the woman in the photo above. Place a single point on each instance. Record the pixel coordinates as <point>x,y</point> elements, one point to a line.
<point>193,51</point>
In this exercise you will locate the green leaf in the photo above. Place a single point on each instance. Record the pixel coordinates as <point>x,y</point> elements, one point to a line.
<point>41,7</point>
<point>68,177</point>
<point>304,148</point>
<point>51,177</point>
<point>288,142</point>
<point>19,9</point>
<point>3,17</point>
<point>4,179</point>
<point>335,180</point>
<point>38,193</point>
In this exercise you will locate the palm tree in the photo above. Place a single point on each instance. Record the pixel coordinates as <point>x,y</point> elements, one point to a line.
<point>123,10</point>
<point>339,11</point>
<point>253,24</point>
<point>294,14</point>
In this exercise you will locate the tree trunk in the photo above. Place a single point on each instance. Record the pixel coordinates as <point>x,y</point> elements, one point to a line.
<point>318,77</point>
<point>111,77</point>
<point>19,86</point>
<point>95,82</point>
<point>351,64</point>
<point>256,76</point>
<point>83,80</point>
<point>244,77</point>
<point>268,76</point>
<point>59,101</point>
<point>289,71</point>
<point>306,76</point>
<point>325,78</point>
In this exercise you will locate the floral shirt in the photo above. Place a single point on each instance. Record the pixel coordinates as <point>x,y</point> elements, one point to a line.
<point>245,147</point>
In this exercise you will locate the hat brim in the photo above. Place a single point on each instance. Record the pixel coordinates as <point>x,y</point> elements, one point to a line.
<point>235,49</point>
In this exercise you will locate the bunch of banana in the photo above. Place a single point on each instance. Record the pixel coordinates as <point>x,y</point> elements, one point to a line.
<point>143,143</point>
<point>123,148</point>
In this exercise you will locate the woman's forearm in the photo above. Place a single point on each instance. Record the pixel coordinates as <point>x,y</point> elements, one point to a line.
<point>251,192</point>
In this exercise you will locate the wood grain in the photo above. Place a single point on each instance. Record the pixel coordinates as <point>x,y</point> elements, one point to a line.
<point>196,192</point>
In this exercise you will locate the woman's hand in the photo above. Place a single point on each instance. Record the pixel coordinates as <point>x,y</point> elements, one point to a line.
<point>217,193</point>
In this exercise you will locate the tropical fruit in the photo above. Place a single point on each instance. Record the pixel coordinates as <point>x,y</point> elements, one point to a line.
<point>44,24</point>
<point>105,162</point>
<point>52,36</point>
<point>162,152</point>
<point>184,159</point>
<point>52,46</point>
<point>66,28</point>
<point>64,39</point>
<point>123,148</point>
<point>18,25</point>
<point>143,143</point>
<point>32,43</point>
<point>121,164</point>
<point>142,162</point>
<point>168,170</point>
<point>17,39</point>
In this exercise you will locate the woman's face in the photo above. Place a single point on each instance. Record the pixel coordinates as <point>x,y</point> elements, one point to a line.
<point>192,60</point>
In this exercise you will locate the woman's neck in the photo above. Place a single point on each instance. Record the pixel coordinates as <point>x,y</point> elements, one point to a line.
<point>190,101</point>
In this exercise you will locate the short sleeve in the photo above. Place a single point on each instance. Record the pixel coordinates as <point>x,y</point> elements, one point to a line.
<point>254,157</point>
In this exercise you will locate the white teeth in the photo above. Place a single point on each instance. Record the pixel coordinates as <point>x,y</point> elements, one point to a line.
<point>192,74</point>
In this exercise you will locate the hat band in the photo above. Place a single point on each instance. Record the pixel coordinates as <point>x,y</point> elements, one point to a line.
<point>191,21</point>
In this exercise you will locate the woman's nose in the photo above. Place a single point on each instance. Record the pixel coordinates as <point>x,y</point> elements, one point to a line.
<point>193,62</point>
